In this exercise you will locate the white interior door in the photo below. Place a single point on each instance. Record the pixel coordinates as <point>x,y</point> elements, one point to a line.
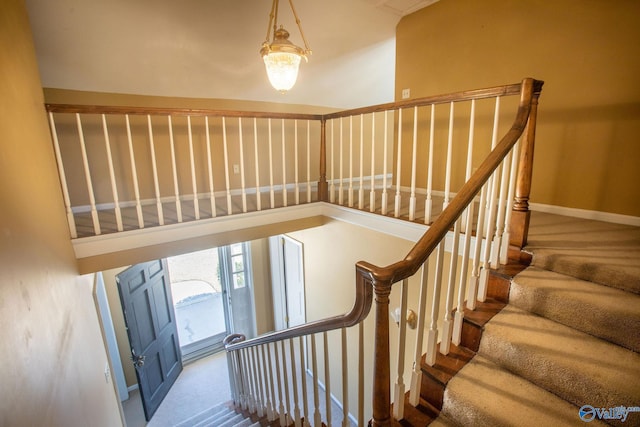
<point>287,279</point>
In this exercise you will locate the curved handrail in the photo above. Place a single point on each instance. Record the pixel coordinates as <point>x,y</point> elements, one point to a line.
<point>359,311</point>
<point>408,266</point>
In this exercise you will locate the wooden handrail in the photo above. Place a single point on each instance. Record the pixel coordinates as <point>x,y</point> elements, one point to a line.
<point>383,278</point>
<point>137,111</point>
<point>359,311</point>
<point>466,95</point>
<point>491,92</point>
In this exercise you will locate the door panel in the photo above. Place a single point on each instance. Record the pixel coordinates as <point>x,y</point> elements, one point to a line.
<point>294,281</point>
<point>150,319</point>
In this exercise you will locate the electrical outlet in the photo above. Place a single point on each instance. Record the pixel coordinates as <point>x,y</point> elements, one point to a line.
<point>236,169</point>
<point>406,93</point>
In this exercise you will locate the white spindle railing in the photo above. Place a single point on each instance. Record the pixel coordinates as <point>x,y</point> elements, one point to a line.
<point>265,376</point>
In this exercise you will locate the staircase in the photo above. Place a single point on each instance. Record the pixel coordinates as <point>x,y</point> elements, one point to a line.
<point>221,415</point>
<point>565,345</point>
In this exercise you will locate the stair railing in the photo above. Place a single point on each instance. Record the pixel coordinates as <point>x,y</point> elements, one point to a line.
<point>485,181</point>
<point>480,207</point>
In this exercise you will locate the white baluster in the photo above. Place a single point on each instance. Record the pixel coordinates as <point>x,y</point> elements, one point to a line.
<point>428,203</point>
<point>317,418</point>
<point>308,161</point>
<point>295,162</point>
<point>350,161</point>
<point>416,375</point>
<point>196,205</point>
<point>327,379</point>
<point>474,280</point>
<point>502,203</point>
<point>459,316</point>
<point>432,337</point>
<point>469,163</point>
<point>303,378</point>
<point>332,193</point>
<point>112,177</point>
<point>414,156</point>
<point>398,166</point>
<point>384,165</point>
<point>398,401</point>
<point>271,188</point>
<point>447,324</point>
<point>361,187</point>
<point>340,184</point>
<point>134,173</point>
<point>154,168</point>
<point>372,192</point>
<point>345,379</point>
<point>225,151</point>
<point>491,217</point>
<point>244,396</point>
<point>507,220</point>
<point>87,175</point>
<point>285,384</point>
<point>242,179</point>
<point>174,170</point>
<point>63,179</point>
<point>212,195</point>
<point>255,153</point>
<point>250,385</point>
<point>281,411</point>
<point>232,372</point>
<point>447,182</point>
<point>258,381</point>
<point>268,371</point>
<point>294,388</point>
<point>284,166</point>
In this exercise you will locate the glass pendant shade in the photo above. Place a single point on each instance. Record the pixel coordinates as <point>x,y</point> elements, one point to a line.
<point>282,69</point>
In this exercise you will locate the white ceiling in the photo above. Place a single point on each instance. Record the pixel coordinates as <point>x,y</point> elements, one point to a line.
<point>209,48</point>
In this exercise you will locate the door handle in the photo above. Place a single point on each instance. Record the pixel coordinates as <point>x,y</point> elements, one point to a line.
<point>138,361</point>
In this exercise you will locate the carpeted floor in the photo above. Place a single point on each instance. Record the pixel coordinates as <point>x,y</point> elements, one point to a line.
<point>201,385</point>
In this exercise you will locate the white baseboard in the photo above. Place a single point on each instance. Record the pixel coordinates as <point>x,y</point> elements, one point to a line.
<point>586,214</point>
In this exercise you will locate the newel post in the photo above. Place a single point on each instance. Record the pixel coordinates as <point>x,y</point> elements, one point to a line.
<point>520,215</point>
<point>381,369</point>
<point>323,187</point>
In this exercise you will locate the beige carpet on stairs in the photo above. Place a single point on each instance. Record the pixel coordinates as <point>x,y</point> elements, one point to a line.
<point>569,337</point>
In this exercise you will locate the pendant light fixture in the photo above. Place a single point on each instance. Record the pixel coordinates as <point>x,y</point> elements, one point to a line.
<point>281,57</point>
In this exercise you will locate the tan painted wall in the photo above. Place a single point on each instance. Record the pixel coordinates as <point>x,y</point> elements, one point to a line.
<point>53,356</point>
<point>587,53</point>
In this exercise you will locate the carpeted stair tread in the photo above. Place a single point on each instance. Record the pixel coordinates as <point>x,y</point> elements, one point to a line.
<point>572,364</point>
<point>596,251</point>
<point>601,311</point>
<point>217,410</point>
<point>483,394</point>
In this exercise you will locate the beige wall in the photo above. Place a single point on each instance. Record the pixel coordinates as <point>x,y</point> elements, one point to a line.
<point>330,290</point>
<point>586,52</point>
<point>53,355</point>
